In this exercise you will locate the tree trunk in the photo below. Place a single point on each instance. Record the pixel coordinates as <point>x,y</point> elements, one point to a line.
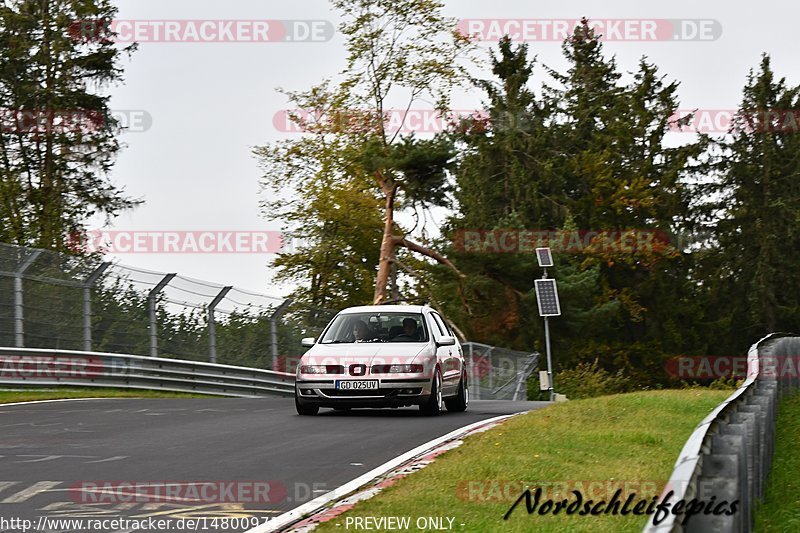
<point>387,244</point>
<point>393,281</point>
<point>390,243</point>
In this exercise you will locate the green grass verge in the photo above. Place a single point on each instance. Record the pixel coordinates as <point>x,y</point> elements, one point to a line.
<point>628,441</point>
<point>781,508</point>
<point>9,396</point>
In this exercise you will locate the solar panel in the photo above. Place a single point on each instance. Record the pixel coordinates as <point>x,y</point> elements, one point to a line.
<point>547,297</point>
<point>545,257</point>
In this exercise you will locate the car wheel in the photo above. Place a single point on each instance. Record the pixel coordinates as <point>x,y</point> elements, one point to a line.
<point>304,410</point>
<point>460,402</point>
<point>434,404</point>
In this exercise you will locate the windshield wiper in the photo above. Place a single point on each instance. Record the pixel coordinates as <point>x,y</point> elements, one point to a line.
<point>352,342</point>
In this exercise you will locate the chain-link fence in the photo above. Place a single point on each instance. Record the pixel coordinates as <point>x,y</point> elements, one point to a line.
<point>498,373</point>
<point>53,300</point>
<point>60,301</point>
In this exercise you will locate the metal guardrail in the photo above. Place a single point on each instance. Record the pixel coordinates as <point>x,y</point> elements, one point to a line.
<point>495,373</point>
<point>29,367</point>
<point>729,454</point>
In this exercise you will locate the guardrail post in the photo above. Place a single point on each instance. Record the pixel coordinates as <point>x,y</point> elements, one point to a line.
<point>19,317</point>
<point>151,304</point>
<point>212,325</point>
<point>273,328</point>
<point>87,285</point>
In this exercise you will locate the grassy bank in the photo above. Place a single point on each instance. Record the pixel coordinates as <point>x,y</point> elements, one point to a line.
<point>628,441</point>
<point>781,508</point>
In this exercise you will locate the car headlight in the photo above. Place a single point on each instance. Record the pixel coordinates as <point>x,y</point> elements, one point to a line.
<point>321,369</point>
<point>397,369</point>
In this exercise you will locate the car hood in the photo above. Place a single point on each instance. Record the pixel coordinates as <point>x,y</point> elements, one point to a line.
<point>367,353</point>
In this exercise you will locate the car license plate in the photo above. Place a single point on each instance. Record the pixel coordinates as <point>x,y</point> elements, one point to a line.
<point>364,384</point>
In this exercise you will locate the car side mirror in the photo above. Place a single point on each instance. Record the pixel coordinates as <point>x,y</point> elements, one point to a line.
<point>446,341</point>
<point>308,342</point>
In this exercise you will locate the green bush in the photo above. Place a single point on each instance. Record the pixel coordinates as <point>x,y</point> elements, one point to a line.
<point>721,383</point>
<point>589,380</point>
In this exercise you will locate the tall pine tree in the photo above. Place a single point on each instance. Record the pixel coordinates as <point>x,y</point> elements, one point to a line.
<point>752,210</point>
<point>57,137</point>
<point>589,155</point>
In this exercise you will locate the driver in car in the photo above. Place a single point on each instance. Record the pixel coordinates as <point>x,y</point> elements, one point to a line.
<point>409,330</point>
<point>361,331</point>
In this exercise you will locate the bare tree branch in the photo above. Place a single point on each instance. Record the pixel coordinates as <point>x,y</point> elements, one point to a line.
<point>433,254</point>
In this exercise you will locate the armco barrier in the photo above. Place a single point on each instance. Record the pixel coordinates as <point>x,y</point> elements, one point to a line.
<point>729,454</point>
<point>28,368</point>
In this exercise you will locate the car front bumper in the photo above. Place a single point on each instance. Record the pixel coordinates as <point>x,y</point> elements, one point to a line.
<point>391,392</point>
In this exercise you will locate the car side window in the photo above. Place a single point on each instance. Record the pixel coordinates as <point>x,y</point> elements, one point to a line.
<point>440,324</point>
<point>438,327</point>
<point>446,326</point>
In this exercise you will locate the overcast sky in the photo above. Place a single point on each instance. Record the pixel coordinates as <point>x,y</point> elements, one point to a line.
<point>211,102</point>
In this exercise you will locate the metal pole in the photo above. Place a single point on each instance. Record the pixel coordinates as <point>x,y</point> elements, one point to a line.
<point>273,328</point>
<point>151,304</point>
<point>476,389</point>
<point>549,360</point>
<point>19,317</point>
<point>273,333</point>
<point>87,303</point>
<point>19,333</point>
<point>212,326</point>
<point>488,356</point>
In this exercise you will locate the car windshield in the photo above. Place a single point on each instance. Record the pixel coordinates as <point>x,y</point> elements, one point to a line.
<point>376,327</point>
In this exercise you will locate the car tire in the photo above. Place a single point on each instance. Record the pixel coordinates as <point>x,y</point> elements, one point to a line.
<point>304,410</point>
<point>434,404</point>
<point>460,401</point>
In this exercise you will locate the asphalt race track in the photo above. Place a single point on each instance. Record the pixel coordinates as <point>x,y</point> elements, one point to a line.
<point>107,459</point>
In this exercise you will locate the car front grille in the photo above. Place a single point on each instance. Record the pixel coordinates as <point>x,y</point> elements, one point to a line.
<point>373,392</point>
